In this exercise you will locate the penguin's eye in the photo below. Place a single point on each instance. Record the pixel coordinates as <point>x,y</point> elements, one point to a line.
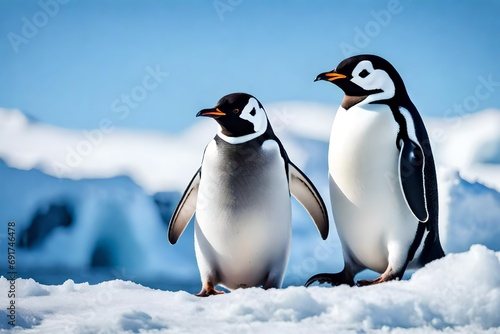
<point>364,73</point>
<point>236,110</point>
<point>253,112</point>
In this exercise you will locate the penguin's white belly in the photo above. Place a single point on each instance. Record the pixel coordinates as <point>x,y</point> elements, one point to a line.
<point>243,228</point>
<point>369,209</point>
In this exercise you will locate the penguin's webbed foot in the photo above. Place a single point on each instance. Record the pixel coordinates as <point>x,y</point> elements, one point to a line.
<point>208,289</point>
<point>385,277</point>
<point>332,279</point>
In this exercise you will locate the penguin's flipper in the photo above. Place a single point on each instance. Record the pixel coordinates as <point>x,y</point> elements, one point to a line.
<point>305,192</point>
<point>184,210</point>
<point>412,178</point>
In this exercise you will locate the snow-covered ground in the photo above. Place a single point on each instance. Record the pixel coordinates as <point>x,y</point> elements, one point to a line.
<point>459,293</point>
<point>108,193</point>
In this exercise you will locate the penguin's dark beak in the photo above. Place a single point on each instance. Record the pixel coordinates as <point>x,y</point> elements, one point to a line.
<point>329,76</point>
<point>212,112</point>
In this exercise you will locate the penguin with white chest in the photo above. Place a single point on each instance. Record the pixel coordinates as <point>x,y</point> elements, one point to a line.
<point>382,176</point>
<point>241,195</point>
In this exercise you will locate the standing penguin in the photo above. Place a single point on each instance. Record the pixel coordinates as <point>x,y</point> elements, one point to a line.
<point>241,195</point>
<point>382,176</point>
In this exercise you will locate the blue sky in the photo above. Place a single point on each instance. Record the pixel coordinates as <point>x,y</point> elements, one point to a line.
<point>75,68</point>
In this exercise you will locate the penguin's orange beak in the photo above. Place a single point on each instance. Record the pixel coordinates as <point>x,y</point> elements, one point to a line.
<point>329,76</point>
<point>212,112</point>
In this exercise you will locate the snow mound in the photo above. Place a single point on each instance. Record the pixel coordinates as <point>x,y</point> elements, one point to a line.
<point>159,161</point>
<point>457,294</point>
<point>470,144</point>
<point>470,213</point>
<point>155,161</point>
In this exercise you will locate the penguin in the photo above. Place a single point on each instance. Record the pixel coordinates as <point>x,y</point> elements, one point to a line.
<point>241,196</point>
<point>382,178</point>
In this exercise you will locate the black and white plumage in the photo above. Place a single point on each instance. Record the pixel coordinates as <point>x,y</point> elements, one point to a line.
<point>383,185</point>
<point>241,195</point>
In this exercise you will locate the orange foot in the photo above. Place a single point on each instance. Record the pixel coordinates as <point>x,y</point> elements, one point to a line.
<point>208,289</point>
<point>381,279</point>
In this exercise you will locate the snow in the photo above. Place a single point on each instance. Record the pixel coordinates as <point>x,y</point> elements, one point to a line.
<point>158,161</point>
<point>153,160</point>
<point>469,213</point>
<point>470,144</point>
<point>130,181</point>
<point>459,293</point>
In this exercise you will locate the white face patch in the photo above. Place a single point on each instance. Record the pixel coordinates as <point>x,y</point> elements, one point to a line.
<point>368,78</point>
<point>255,115</point>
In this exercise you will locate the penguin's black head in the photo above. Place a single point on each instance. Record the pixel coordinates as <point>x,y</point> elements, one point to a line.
<point>238,114</point>
<point>367,79</point>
